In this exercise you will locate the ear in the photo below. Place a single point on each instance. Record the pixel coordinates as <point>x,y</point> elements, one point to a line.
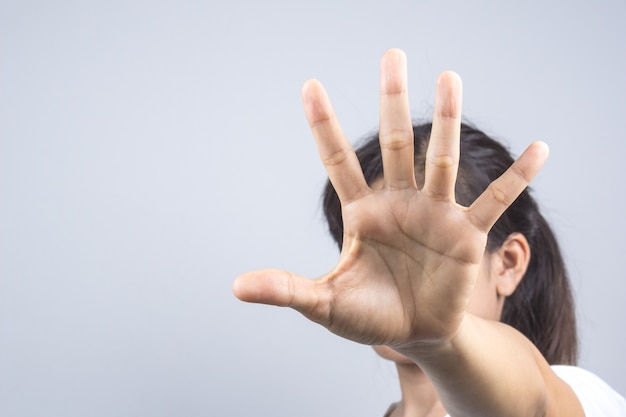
<point>513,256</point>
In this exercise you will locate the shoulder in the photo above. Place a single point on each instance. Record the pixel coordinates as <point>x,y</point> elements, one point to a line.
<point>598,399</point>
<point>390,409</point>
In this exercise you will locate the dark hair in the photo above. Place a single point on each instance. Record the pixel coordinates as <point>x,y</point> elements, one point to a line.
<point>542,306</point>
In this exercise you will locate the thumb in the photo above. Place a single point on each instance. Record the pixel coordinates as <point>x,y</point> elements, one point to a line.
<point>279,288</point>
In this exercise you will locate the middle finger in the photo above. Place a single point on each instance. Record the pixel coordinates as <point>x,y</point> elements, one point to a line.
<point>396,128</point>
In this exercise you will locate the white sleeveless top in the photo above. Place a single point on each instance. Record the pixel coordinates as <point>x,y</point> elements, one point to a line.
<point>598,399</point>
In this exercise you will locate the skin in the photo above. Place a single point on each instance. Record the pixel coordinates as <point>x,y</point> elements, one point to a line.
<point>408,269</point>
<point>499,274</point>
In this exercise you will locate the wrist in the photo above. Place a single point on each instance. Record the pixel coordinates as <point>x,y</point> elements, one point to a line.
<point>421,351</point>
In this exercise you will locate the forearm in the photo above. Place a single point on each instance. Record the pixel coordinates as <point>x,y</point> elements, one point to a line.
<point>487,369</point>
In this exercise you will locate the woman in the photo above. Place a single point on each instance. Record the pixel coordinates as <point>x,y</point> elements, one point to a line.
<point>420,277</point>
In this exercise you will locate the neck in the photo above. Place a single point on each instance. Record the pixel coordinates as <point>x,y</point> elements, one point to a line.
<point>419,398</point>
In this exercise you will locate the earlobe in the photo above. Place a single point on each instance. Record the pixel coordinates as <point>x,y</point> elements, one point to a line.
<point>514,257</point>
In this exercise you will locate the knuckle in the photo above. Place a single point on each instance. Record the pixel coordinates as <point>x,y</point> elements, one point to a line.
<point>336,158</point>
<point>477,222</point>
<point>500,195</point>
<point>518,172</point>
<point>443,161</point>
<point>396,139</point>
<point>322,120</point>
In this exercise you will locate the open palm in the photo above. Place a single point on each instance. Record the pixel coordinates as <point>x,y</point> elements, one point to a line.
<point>410,256</point>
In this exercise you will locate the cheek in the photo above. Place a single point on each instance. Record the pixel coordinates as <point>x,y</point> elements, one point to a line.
<point>484,302</point>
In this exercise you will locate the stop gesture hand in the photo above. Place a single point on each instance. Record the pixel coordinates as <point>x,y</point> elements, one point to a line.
<point>410,255</point>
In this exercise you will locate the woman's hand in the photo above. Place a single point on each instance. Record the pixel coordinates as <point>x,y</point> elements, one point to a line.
<point>410,256</point>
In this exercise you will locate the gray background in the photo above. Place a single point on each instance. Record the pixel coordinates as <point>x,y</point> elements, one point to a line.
<point>152,151</point>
